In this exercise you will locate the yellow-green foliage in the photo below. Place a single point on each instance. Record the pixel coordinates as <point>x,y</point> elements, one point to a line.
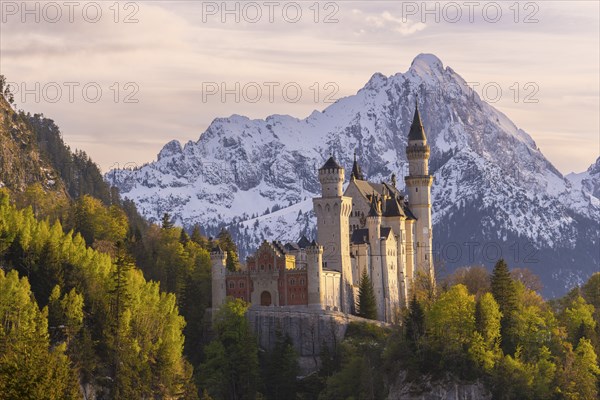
<point>144,331</point>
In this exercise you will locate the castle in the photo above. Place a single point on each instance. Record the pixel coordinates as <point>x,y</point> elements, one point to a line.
<point>370,227</point>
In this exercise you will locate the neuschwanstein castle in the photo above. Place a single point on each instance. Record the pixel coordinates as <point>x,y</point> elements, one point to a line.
<point>370,226</point>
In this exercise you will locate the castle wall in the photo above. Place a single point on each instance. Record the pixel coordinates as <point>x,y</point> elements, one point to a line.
<point>308,330</point>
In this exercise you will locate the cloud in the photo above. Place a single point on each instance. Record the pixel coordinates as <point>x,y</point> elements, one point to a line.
<point>171,51</point>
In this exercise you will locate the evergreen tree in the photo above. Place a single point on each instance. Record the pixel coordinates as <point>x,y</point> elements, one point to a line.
<point>504,291</point>
<point>230,370</point>
<point>120,316</point>
<point>281,369</point>
<point>29,368</point>
<point>183,237</point>
<point>367,305</point>
<point>414,323</point>
<point>197,237</point>
<point>228,245</point>
<point>166,222</point>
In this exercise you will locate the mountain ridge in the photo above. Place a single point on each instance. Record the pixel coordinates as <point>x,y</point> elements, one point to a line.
<point>487,171</point>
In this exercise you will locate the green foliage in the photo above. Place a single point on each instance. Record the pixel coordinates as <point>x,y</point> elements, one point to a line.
<point>104,313</point>
<point>281,369</point>
<point>451,319</point>
<point>166,222</point>
<point>414,324</point>
<point>579,320</point>
<point>231,367</point>
<point>79,173</point>
<point>29,369</point>
<point>367,305</point>
<point>97,222</point>
<point>504,290</point>
<point>578,378</point>
<point>359,376</point>
<point>228,245</point>
<point>476,278</point>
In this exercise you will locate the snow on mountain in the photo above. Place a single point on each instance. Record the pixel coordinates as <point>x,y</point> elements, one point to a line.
<point>493,187</point>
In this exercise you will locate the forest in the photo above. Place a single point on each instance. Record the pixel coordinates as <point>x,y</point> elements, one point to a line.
<point>96,302</point>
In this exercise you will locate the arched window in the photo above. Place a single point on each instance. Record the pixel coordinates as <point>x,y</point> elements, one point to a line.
<point>242,285</point>
<point>231,285</point>
<point>292,281</point>
<point>262,267</point>
<point>301,282</point>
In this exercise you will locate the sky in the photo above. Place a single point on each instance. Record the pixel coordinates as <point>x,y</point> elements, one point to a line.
<point>121,79</point>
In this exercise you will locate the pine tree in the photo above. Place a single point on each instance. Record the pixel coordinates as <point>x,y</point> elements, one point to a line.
<point>228,245</point>
<point>184,237</point>
<point>504,291</point>
<point>367,305</point>
<point>281,369</point>
<point>196,235</point>
<point>166,221</point>
<point>120,300</point>
<point>414,323</point>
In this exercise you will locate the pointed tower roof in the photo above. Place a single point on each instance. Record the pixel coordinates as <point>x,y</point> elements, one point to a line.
<point>416,129</point>
<point>331,164</point>
<point>375,209</point>
<point>393,208</point>
<point>356,172</point>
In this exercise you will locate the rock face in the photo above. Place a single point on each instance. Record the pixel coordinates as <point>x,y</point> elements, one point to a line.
<point>494,194</point>
<point>308,330</point>
<point>448,388</point>
<point>21,163</point>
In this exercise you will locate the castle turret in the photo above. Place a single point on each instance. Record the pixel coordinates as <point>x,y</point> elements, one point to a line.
<point>418,188</point>
<point>376,274</point>
<point>356,171</point>
<point>218,259</point>
<point>333,227</point>
<point>314,272</point>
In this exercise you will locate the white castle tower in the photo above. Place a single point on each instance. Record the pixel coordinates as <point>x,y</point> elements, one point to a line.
<point>333,228</point>
<point>218,260</point>
<point>418,188</point>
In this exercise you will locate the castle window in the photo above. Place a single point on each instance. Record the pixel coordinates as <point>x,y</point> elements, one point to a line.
<point>301,282</point>
<point>231,285</point>
<point>416,189</point>
<point>270,267</point>
<point>262,267</point>
<point>292,281</point>
<point>241,285</point>
<point>293,296</point>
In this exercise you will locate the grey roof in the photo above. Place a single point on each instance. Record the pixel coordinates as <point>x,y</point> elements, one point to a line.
<point>416,129</point>
<point>331,164</point>
<point>291,247</point>
<point>409,214</point>
<point>393,208</point>
<point>360,236</point>
<point>303,242</point>
<point>279,246</point>
<point>384,231</point>
<point>375,210</point>
<point>367,188</point>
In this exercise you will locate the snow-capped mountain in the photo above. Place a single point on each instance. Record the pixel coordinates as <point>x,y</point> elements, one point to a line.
<point>494,194</point>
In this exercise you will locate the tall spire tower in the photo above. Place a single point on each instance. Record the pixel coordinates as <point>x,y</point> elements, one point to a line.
<point>418,188</point>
